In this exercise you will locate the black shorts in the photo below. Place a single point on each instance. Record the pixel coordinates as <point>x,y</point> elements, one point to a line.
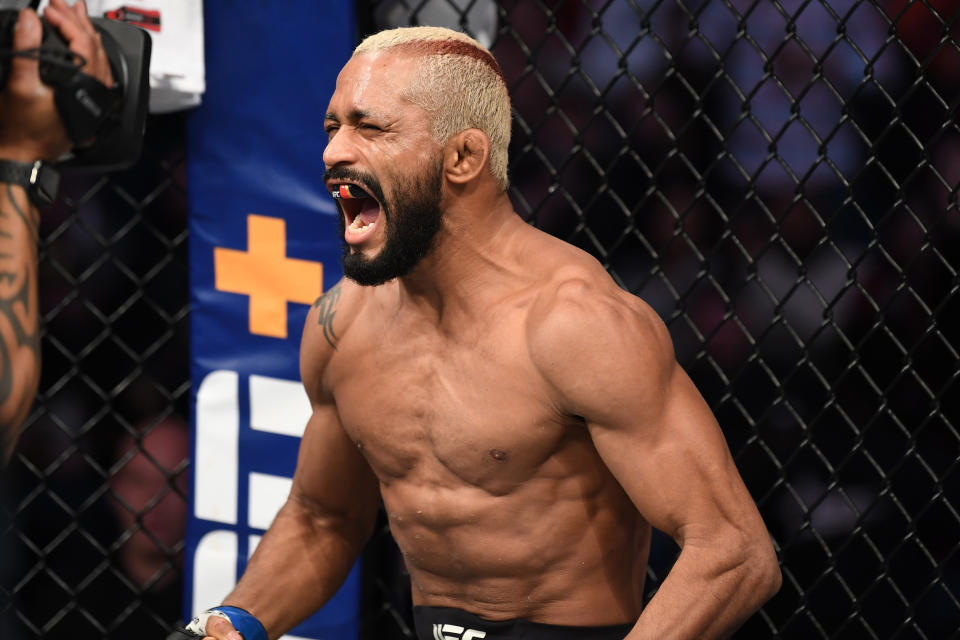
<point>447,623</point>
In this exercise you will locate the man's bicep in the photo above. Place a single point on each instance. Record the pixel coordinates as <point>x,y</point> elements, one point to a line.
<point>648,422</point>
<point>674,463</point>
<point>332,477</point>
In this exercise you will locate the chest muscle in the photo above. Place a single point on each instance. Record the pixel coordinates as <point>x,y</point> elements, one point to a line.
<point>428,408</point>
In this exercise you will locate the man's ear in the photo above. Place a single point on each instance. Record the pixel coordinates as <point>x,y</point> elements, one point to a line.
<point>466,155</point>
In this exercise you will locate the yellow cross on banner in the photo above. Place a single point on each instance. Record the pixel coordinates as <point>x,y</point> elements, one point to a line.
<point>267,275</point>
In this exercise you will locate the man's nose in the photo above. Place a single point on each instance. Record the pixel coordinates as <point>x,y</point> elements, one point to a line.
<point>340,149</point>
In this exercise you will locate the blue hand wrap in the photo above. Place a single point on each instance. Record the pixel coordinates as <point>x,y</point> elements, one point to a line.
<point>248,626</point>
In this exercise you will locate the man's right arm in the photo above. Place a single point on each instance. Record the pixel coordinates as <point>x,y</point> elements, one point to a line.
<point>317,536</point>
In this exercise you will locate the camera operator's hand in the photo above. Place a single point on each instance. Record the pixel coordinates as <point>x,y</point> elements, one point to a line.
<point>30,127</point>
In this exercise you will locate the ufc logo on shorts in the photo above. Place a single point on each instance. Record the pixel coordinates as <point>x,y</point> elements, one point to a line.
<point>442,632</point>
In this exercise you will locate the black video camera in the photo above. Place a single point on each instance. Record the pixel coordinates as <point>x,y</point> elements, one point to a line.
<point>114,116</point>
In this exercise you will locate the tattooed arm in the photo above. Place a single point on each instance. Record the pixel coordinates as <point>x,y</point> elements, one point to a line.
<point>19,332</point>
<point>22,115</point>
<point>30,130</point>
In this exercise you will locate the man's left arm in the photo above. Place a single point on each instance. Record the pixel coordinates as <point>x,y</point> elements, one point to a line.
<point>30,130</point>
<point>609,359</point>
<point>19,330</point>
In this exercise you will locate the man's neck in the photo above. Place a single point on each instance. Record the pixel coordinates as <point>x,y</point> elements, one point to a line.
<point>470,254</point>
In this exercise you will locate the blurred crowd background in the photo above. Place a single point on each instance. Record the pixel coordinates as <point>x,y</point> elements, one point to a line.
<point>777,178</point>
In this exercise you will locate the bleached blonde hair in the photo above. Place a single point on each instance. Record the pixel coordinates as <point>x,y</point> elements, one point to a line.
<point>458,82</point>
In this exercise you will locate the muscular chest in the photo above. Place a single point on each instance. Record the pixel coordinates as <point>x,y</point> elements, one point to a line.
<point>422,405</point>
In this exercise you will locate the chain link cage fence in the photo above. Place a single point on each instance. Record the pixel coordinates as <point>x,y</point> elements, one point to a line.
<point>777,178</point>
<point>95,492</point>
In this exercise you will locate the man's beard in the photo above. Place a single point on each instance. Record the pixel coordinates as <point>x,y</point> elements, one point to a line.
<point>413,218</point>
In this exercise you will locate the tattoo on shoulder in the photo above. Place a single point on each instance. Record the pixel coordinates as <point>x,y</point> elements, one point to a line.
<point>327,304</point>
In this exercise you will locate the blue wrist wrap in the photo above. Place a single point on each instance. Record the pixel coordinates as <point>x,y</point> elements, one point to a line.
<point>248,626</point>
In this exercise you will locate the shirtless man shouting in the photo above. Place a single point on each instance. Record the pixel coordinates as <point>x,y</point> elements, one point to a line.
<point>523,419</point>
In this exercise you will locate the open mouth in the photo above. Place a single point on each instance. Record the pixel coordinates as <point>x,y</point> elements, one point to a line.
<point>360,209</point>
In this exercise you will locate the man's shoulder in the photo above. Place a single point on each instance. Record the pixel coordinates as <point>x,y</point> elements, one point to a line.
<point>597,346</point>
<point>329,319</point>
<point>339,306</point>
<point>582,315</point>
<point>581,293</point>
<point>574,283</point>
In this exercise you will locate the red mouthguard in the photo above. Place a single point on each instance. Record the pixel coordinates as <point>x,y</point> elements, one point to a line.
<point>349,191</point>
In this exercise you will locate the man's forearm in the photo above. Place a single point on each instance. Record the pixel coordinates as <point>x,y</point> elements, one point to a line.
<point>709,593</point>
<point>298,566</point>
<point>19,314</point>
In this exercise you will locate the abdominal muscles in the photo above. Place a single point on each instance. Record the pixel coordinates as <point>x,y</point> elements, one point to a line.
<point>563,546</point>
<point>500,503</point>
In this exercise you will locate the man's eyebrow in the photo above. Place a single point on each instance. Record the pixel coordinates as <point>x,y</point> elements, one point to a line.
<point>354,115</point>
